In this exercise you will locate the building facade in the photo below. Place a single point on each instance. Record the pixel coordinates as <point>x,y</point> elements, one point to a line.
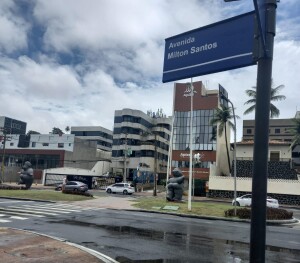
<point>140,142</point>
<point>102,136</point>
<point>279,130</point>
<point>205,140</point>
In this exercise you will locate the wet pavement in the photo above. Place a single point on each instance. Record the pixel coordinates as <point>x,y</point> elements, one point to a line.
<point>24,246</point>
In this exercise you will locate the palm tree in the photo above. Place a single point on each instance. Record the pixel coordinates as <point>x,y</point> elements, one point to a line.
<point>274,111</point>
<point>223,117</point>
<point>67,129</point>
<point>295,132</point>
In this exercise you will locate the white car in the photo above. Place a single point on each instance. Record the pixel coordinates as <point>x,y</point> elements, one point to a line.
<point>245,200</point>
<point>124,188</point>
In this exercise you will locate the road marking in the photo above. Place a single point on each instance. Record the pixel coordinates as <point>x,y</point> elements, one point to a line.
<point>52,208</point>
<point>19,213</point>
<point>19,217</point>
<point>18,208</point>
<point>4,221</point>
<point>14,201</point>
<point>38,208</point>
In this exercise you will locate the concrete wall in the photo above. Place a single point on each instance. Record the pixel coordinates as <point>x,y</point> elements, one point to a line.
<point>276,186</point>
<point>245,151</point>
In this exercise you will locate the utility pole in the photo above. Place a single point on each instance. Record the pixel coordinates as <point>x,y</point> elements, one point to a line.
<point>125,159</point>
<point>155,166</point>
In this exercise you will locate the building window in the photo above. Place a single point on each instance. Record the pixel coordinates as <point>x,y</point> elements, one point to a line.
<point>11,144</point>
<point>277,130</point>
<point>249,131</point>
<point>33,144</point>
<point>60,145</point>
<point>204,134</point>
<point>70,144</point>
<point>45,144</point>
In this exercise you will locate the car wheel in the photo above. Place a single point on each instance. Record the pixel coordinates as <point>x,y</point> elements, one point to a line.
<point>237,203</point>
<point>75,190</point>
<point>108,191</point>
<point>125,192</point>
<point>58,189</point>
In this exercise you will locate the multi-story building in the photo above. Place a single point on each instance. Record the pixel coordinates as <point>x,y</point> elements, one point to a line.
<point>12,126</point>
<point>140,142</point>
<point>205,140</point>
<point>102,136</point>
<point>279,130</point>
<point>46,151</point>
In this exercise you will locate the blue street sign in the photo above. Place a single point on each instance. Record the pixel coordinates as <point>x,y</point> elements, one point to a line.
<point>260,11</point>
<point>217,47</point>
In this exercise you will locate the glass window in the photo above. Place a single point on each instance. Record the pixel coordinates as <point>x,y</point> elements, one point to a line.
<point>277,130</point>
<point>249,131</point>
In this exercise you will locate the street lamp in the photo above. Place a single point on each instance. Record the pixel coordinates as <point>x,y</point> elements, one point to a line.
<point>234,150</point>
<point>189,92</point>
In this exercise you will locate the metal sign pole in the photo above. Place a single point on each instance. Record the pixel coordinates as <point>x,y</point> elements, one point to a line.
<point>261,142</point>
<point>191,148</point>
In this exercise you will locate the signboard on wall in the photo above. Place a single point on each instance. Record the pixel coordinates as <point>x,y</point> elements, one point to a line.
<point>217,47</point>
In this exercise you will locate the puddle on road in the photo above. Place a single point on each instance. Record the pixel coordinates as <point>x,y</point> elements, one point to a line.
<point>209,249</point>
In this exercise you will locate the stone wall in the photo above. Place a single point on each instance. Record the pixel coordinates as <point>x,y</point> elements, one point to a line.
<point>276,169</point>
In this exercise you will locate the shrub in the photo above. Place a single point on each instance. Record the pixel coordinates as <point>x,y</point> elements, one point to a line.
<point>272,213</point>
<point>242,213</point>
<point>77,193</point>
<point>12,187</point>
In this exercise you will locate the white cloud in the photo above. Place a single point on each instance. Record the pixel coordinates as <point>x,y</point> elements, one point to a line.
<point>93,57</point>
<point>13,29</point>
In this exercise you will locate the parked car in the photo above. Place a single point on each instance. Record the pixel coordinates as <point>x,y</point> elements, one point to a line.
<point>245,200</point>
<point>124,188</point>
<point>73,186</point>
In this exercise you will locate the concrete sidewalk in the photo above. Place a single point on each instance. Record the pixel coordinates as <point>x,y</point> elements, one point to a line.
<point>19,246</point>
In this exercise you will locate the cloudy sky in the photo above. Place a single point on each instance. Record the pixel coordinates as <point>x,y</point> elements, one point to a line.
<point>74,62</point>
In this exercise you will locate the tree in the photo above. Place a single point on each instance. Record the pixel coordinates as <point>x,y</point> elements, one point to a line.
<point>57,131</point>
<point>67,129</point>
<point>295,132</point>
<point>274,111</point>
<point>223,117</point>
<point>32,132</point>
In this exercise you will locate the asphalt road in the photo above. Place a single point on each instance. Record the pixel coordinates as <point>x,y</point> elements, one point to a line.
<point>149,237</point>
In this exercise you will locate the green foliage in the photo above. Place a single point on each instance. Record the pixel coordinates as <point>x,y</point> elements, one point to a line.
<point>67,129</point>
<point>223,117</point>
<point>32,132</point>
<point>272,213</point>
<point>295,132</point>
<point>57,131</point>
<point>274,111</point>
<point>162,182</point>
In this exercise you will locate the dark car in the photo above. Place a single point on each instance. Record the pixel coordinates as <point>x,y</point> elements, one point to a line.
<point>73,186</point>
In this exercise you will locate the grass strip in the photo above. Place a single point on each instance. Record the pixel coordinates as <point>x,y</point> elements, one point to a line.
<point>200,208</point>
<point>49,195</point>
